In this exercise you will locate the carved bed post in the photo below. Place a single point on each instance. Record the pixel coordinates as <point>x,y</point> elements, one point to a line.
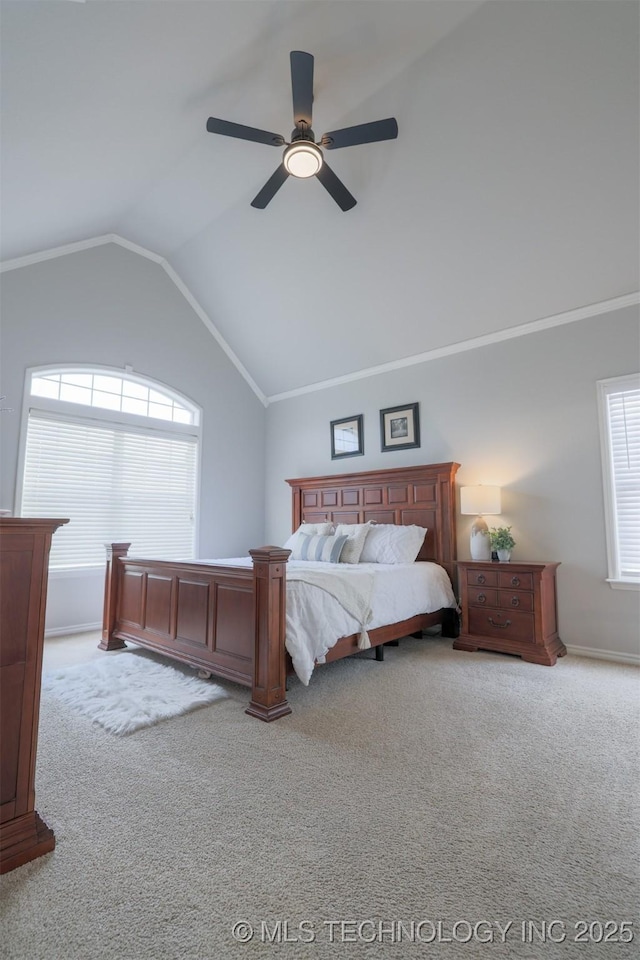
<point>268,699</point>
<point>112,580</point>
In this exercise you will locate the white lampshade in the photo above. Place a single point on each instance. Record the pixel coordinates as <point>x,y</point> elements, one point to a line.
<point>477,501</point>
<point>303,159</point>
<point>480,500</point>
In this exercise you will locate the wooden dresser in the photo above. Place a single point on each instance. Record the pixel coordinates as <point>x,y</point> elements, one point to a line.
<point>510,607</point>
<point>24,564</point>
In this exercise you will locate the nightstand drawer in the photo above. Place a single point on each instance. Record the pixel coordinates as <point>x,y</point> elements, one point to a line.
<point>519,581</point>
<point>481,597</point>
<point>515,600</point>
<point>505,625</point>
<point>482,578</point>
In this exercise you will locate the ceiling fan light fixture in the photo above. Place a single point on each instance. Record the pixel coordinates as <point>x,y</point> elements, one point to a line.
<point>302,159</point>
<point>304,156</point>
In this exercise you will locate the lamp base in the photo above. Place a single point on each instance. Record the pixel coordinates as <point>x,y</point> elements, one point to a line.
<point>480,543</point>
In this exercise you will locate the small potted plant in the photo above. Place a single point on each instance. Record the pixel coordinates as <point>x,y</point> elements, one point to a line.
<point>502,542</point>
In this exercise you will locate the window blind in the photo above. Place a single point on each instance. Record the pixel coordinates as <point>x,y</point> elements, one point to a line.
<point>624,432</point>
<point>115,483</point>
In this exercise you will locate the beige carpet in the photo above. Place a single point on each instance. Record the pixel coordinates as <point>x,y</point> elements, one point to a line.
<point>439,786</point>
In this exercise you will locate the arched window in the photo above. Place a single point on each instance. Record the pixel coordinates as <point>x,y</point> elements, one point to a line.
<point>118,455</point>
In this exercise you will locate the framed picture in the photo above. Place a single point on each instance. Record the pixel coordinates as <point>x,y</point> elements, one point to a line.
<point>347,437</point>
<point>400,427</point>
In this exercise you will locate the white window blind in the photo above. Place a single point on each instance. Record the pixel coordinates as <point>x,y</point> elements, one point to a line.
<point>620,424</point>
<point>115,483</point>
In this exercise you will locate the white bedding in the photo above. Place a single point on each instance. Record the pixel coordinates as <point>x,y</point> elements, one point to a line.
<point>315,620</point>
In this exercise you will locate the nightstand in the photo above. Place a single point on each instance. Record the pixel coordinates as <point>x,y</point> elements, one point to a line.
<point>511,608</point>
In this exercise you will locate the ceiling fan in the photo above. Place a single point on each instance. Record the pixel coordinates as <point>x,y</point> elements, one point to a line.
<point>303,156</point>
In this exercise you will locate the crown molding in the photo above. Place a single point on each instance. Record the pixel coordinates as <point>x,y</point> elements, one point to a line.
<point>62,251</point>
<point>213,330</point>
<point>545,323</point>
<point>535,326</point>
<point>68,248</point>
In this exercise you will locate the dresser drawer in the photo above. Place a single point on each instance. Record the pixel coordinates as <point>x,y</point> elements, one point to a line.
<point>505,625</point>
<point>519,581</point>
<point>482,578</point>
<point>514,600</point>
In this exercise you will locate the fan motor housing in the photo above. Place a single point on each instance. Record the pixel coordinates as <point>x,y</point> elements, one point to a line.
<point>302,133</point>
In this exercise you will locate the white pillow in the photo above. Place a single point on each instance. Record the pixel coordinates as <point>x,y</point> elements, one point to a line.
<point>393,543</point>
<point>326,549</point>
<point>309,529</point>
<point>357,534</point>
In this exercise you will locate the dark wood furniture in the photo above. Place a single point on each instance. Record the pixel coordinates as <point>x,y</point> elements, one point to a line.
<point>510,607</point>
<point>230,621</point>
<point>24,564</point>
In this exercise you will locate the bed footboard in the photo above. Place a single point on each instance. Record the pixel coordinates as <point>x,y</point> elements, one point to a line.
<point>226,620</point>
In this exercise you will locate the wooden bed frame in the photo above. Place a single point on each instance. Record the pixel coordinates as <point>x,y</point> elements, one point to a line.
<point>230,621</point>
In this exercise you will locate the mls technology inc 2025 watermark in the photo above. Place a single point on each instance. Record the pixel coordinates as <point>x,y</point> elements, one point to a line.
<point>433,931</point>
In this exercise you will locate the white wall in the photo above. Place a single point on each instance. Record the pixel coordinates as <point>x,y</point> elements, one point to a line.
<point>521,414</point>
<point>107,305</point>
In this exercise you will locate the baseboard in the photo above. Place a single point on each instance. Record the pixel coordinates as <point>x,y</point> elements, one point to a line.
<point>71,631</point>
<point>595,654</point>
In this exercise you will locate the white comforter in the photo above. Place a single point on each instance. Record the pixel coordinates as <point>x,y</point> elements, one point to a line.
<point>316,621</point>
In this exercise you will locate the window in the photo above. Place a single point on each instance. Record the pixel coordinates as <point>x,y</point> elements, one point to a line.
<point>619,403</point>
<point>115,453</point>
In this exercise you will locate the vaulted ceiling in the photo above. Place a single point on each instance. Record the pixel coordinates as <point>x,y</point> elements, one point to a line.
<point>510,195</point>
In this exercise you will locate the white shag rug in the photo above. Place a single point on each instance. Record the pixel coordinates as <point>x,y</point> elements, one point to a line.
<point>126,692</point>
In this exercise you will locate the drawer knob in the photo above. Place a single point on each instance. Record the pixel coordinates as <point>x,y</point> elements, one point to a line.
<point>481,578</point>
<point>515,581</point>
<point>515,602</point>
<point>482,598</point>
<point>503,626</point>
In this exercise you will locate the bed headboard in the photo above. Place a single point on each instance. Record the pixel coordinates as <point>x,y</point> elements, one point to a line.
<point>424,495</point>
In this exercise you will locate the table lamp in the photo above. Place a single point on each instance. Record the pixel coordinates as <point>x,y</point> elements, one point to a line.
<point>480,501</point>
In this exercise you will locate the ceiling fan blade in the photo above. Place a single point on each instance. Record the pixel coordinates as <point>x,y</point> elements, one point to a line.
<point>362,133</point>
<point>302,86</point>
<point>335,187</point>
<point>270,188</point>
<point>228,129</point>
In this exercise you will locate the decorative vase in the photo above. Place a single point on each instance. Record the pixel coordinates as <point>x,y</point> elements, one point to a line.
<point>480,543</point>
<point>504,556</point>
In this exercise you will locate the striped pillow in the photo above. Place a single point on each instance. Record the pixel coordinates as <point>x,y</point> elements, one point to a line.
<point>326,549</point>
<point>309,529</point>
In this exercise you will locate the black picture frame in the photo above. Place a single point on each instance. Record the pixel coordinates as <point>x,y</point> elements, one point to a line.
<point>400,427</point>
<point>347,437</point>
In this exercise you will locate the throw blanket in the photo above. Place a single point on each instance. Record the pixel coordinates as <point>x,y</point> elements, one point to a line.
<point>354,595</point>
